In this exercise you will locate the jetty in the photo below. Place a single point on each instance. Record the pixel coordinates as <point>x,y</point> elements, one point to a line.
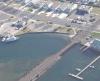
<point>47,63</point>
<point>40,69</point>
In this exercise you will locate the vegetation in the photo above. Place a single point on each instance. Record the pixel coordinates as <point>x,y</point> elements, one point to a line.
<point>30,10</point>
<point>95,34</point>
<point>96,10</point>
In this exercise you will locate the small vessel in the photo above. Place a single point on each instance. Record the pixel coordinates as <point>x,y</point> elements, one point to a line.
<point>78,69</point>
<point>92,67</point>
<point>9,38</point>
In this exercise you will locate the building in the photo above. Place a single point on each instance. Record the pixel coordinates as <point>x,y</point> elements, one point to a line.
<point>95,44</point>
<point>83,9</point>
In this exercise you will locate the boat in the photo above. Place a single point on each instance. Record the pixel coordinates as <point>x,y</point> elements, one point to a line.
<point>9,38</point>
<point>78,69</point>
<point>92,67</point>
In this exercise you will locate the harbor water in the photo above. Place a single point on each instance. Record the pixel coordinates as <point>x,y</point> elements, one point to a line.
<point>74,58</point>
<point>19,57</point>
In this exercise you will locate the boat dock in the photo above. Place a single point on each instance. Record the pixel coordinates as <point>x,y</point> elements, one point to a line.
<point>75,76</point>
<point>78,74</point>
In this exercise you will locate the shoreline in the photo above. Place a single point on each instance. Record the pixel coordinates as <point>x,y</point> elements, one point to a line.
<point>21,32</point>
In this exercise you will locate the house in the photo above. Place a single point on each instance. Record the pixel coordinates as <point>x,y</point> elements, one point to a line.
<point>82,10</point>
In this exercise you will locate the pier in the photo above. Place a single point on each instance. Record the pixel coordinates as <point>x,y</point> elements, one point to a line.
<point>78,74</point>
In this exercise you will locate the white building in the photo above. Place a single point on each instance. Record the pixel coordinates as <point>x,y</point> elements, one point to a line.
<point>33,1</point>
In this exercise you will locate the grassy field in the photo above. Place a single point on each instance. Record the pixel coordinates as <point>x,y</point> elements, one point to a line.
<point>95,34</point>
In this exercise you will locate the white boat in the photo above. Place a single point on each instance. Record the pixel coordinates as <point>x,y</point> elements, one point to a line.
<point>92,67</point>
<point>9,38</point>
<point>78,69</point>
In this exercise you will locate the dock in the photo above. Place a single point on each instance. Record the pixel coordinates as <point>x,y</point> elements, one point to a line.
<point>77,76</point>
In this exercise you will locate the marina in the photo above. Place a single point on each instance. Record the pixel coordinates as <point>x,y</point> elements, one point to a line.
<point>77,75</point>
<point>77,59</point>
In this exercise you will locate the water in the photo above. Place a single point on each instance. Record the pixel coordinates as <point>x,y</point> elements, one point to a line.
<point>21,56</point>
<point>74,58</point>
